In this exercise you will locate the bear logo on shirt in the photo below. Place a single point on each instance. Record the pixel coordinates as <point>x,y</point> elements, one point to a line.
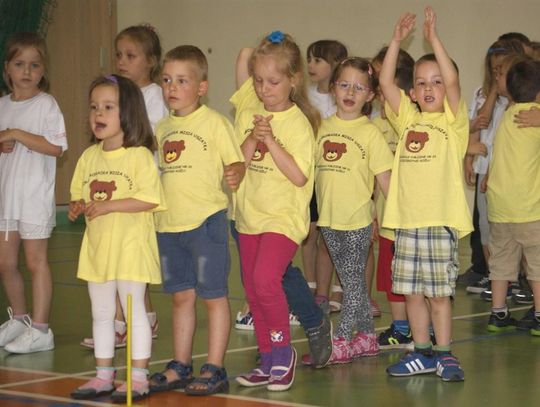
<point>415,141</point>
<point>172,150</point>
<point>101,190</point>
<point>333,151</point>
<point>260,152</point>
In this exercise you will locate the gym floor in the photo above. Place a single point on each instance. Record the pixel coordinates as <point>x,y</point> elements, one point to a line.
<point>499,368</point>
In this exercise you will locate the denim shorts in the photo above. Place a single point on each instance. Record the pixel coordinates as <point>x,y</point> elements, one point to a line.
<point>197,258</point>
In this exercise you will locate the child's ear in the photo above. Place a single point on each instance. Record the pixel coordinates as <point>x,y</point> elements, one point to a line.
<point>412,94</point>
<point>296,79</point>
<point>203,88</point>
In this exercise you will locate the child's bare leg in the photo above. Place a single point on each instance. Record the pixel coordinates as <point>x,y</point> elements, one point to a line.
<point>219,326</point>
<point>498,293</point>
<point>12,279</point>
<point>309,253</point>
<point>184,320</point>
<point>35,251</point>
<point>419,318</point>
<point>398,310</point>
<point>535,286</point>
<point>119,316</point>
<point>441,317</point>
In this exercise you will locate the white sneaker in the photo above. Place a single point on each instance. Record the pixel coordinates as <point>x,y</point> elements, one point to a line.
<point>32,340</point>
<point>244,322</point>
<point>293,319</point>
<point>10,329</point>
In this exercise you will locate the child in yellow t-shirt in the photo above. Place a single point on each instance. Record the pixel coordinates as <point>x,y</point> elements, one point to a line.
<point>272,203</point>
<point>351,153</point>
<point>196,151</point>
<point>513,191</point>
<point>116,186</point>
<point>426,201</point>
<point>398,335</point>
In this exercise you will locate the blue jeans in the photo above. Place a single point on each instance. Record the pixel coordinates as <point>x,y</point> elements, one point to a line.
<point>301,300</point>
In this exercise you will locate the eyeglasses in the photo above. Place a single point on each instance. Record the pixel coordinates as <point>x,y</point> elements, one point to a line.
<point>357,87</point>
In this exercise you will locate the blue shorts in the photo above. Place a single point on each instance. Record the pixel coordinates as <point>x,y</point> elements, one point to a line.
<point>198,258</point>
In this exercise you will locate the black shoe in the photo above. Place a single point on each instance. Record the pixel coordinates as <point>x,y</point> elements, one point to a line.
<point>523,297</point>
<point>527,322</point>
<point>320,343</point>
<point>470,277</point>
<point>480,286</point>
<point>500,322</point>
<point>393,339</point>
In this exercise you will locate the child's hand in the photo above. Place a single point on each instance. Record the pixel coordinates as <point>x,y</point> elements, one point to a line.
<point>528,118</point>
<point>478,123</point>
<point>94,209</point>
<point>404,26</point>
<point>429,24</point>
<point>262,130</point>
<point>484,184</point>
<point>470,176</point>
<point>477,148</point>
<point>233,174</point>
<point>75,209</point>
<point>7,141</point>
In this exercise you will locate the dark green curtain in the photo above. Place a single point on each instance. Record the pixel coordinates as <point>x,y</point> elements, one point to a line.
<point>22,15</point>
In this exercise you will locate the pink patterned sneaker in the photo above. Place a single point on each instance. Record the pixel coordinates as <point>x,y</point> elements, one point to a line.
<point>254,378</point>
<point>364,345</point>
<point>341,352</point>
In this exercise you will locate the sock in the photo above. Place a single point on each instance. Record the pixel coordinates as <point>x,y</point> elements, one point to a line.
<point>120,327</point>
<point>441,350</point>
<point>41,327</point>
<point>20,317</point>
<point>500,311</point>
<point>402,326</point>
<point>424,348</point>
<point>281,355</point>
<point>106,373</point>
<point>266,362</point>
<point>139,374</point>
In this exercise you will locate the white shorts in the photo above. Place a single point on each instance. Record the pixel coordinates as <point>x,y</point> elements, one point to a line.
<point>27,231</point>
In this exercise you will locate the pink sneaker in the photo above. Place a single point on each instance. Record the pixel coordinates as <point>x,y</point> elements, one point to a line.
<point>364,345</point>
<point>341,352</point>
<point>94,388</point>
<point>282,377</point>
<point>139,390</point>
<point>254,378</point>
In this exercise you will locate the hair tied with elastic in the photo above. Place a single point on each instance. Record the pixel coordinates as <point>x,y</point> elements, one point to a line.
<point>276,37</point>
<point>112,78</point>
<point>496,50</point>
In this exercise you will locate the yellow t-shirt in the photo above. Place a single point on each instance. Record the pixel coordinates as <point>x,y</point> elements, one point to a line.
<point>192,151</point>
<point>513,192</point>
<point>119,245</point>
<point>427,188</point>
<point>391,138</point>
<point>266,200</point>
<point>349,155</point>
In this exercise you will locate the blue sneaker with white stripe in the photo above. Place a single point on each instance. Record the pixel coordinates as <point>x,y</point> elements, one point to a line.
<point>449,369</point>
<point>412,364</point>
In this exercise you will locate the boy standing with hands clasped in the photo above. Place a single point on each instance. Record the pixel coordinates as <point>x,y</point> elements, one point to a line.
<point>426,201</point>
<point>197,150</point>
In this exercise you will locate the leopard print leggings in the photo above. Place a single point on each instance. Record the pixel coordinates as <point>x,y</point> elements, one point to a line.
<point>349,250</point>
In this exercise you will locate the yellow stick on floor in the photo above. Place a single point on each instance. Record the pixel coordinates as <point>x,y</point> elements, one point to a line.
<point>128,350</point>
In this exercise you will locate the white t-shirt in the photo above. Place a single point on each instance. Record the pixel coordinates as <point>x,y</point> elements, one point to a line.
<point>27,178</point>
<point>323,102</point>
<point>481,163</point>
<point>155,105</point>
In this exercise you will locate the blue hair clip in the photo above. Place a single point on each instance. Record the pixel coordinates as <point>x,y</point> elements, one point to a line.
<point>112,78</point>
<point>496,50</point>
<point>275,37</point>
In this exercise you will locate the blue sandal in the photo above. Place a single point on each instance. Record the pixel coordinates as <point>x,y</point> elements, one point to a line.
<point>217,383</point>
<point>158,381</point>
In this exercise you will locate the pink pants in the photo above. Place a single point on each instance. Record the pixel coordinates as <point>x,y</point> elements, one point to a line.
<point>264,259</point>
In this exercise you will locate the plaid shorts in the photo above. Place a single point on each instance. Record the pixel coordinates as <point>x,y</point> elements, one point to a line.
<point>425,261</point>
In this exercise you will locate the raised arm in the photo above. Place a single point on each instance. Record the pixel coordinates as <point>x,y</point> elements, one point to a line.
<point>449,73</point>
<point>390,90</point>
<point>242,66</point>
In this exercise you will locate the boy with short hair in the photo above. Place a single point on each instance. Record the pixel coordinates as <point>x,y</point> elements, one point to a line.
<point>426,202</point>
<point>197,149</point>
<point>513,194</point>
